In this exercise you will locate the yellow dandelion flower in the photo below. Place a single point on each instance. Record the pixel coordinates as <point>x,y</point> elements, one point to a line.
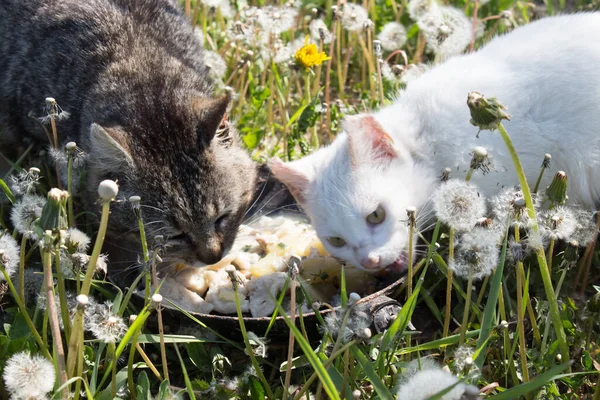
<point>309,56</point>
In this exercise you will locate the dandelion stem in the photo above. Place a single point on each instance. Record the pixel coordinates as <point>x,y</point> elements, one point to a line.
<point>521,315</point>
<point>550,254</point>
<point>22,268</point>
<point>41,343</point>
<point>539,179</point>
<point>74,344</point>
<point>70,213</point>
<point>288,369</point>
<point>62,296</point>
<point>411,237</point>
<point>161,329</point>
<point>545,273</point>
<point>253,359</point>
<point>53,315</point>
<point>465,321</point>
<point>449,284</point>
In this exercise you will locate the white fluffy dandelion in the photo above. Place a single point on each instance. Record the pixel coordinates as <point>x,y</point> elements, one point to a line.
<point>357,322</point>
<point>503,207</point>
<point>458,204</point>
<point>463,362</point>
<point>448,31</point>
<point>9,255</point>
<point>77,241</point>
<point>557,223</point>
<point>585,229</point>
<point>418,8</point>
<point>276,20</point>
<point>215,63</point>
<point>476,253</point>
<point>354,17</point>
<point>320,32</point>
<point>392,36</point>
<point>24,182</point>
<point>28,376</point>
<point>106,325</point>
<point>429,382</point>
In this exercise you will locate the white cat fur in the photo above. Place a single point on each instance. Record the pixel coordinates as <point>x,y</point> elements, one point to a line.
<point>545,73</point>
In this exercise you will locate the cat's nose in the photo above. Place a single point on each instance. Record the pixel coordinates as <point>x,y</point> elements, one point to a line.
<point>211,252</point>
<point>372,261</point>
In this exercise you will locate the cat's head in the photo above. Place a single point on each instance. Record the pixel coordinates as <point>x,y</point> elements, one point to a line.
<point>356,192</point>
<point>185,162</point>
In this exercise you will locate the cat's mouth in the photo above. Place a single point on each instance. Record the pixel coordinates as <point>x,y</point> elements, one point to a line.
<point>400,264</point>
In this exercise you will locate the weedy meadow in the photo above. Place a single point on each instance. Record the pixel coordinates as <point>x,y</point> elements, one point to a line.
<point>504,306</point>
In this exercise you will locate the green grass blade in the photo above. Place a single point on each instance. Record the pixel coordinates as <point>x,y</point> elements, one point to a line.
<point>437,344</point>
<point>539,381</point>
<point>7,192</point>
<point>367,366</point>
<point>489,312</point>
<point>314,361</point>
<point>188,383</point>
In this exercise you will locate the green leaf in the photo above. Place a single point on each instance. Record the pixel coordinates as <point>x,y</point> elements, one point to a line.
<point>257,391</point>
<point>164,392</point>
<point>7,192</point>
<point>367,366</point>
<point>142,388</point>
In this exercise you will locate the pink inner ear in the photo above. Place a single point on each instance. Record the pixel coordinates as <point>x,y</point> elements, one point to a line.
<point>295,180</point>
<point>367,131</point>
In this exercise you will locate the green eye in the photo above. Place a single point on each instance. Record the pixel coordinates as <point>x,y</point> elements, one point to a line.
<point>336,241</point>
<point>377,216</point>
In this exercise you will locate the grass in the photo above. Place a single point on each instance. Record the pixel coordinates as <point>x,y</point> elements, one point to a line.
<point>527,332</point>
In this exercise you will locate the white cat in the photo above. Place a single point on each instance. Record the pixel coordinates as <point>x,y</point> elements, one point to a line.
<point>547,74</point>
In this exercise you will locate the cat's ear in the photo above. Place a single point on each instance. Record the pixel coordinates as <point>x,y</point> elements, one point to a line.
<point>210,114</point>
<point>288,174</point>
<point>109,148</point>
<point>367,140</point>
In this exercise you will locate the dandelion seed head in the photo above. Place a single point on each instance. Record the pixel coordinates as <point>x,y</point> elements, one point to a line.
<point>106,325</point>
<point>417,8</point>
<point>355,326</point>
<point>354,17</point>
<point>425,384</point>
<point>77,241</point>
<point>28,376</point>
<point>215,63</point>
<point>458,204</point>
<point>108,190</point>
<point>392,36</point>
<point>503,207</point>
<point>463,362</point>
<point>585,229</point>
<point>476,253</point>
<point>447,31</point>
<point>24,182</point>
<point>320,32</point>
<point>557,223</point>
<point>275,20</point>
<point>9,255</point>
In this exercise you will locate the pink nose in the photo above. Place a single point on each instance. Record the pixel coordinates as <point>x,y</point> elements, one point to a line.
<point>372,261</point>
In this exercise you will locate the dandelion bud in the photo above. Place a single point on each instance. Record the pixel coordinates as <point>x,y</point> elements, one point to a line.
<point>377,48</point>
<point>486,113</point>
<point>157,298</point>
<point>557,191</point>
<point>108,190</point>
<point>356,394</point>
<point>34,171</point>
<point>71,146</point>
<point>353,297</point>
<point>446,174</point>
<point>82,300</point>
<point>572,251</point>
<point>504,324</point>
<point>54,214</point>
<point>546,162</point>
<point>50,101</point>
<point>480,159</point>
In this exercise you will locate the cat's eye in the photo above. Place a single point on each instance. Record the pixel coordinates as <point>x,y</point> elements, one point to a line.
<point>377,216</point>
<point>336,241</point>
<point>222,220</point>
